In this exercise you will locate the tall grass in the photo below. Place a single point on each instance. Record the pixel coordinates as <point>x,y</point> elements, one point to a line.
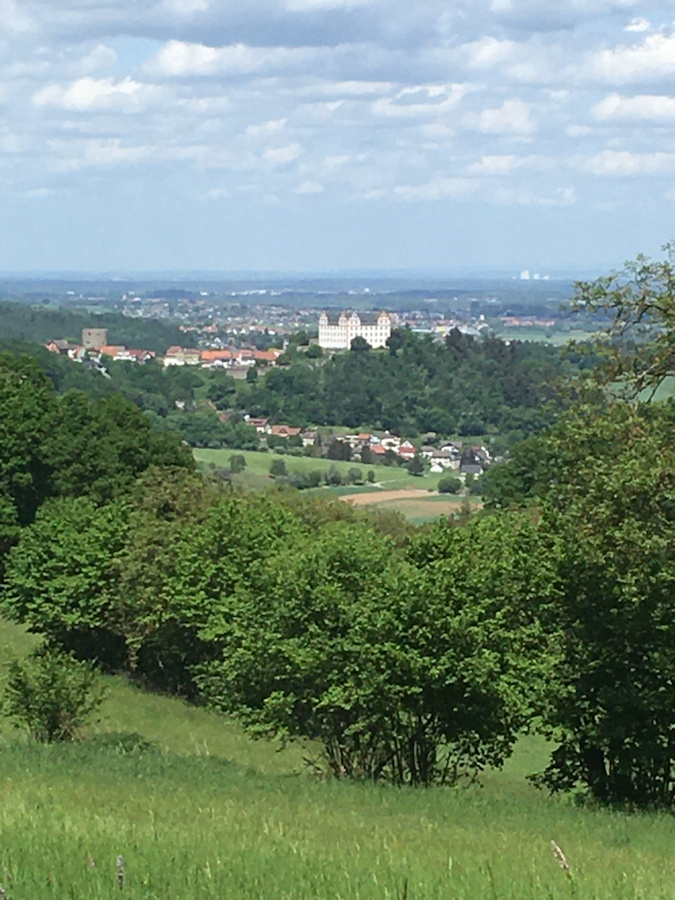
<point>196,810</point>
<point>191,827</point>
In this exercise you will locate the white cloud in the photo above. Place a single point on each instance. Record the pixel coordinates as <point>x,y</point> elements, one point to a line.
<point>99,57</point>
<point>422,101</point>
<point>178,58</point>
<point>283,155</point>
<point>495,165</point>
<point>575,130</point>
<point>72,156</point>
<point>490,51</point>
<point>218,193</point>
<point>272,127</point>
<point>516,196</point>
<point>514,116</point>
<point>309,187</point>
<point>638,26</point>
<point>436,189</point>
<point>620,163</point>
<point>501,6</point>
<point>651,60</point>
<point>642,107</point>
<point>481,100</point>
<point>348,88</point>
<point>88,94</point>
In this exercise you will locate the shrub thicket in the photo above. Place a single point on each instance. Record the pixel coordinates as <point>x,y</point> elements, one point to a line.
<point>52,694</point>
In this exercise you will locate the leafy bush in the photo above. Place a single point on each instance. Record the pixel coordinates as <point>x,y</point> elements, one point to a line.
<point>415,465</point>
<point>278,468</point>
<point>237,463</point>
<point>449,484</point>
<point>413,672</point>
<point>333,477</point>
<point>52,694</point>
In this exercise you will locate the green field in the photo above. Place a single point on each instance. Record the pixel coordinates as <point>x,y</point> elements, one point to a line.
<point>257,469</point>
<point>419,507</point>
<point>543,335</point>
<point>203,812</point>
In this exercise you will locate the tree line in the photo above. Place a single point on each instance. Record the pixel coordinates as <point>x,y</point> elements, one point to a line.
<point>68,446</point>
<point>463,385</point>
<point>415,657</point>
<point>25,322</point>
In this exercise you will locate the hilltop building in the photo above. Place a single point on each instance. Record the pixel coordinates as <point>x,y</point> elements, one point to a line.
<point>338,330</point>
<point>94,338</point>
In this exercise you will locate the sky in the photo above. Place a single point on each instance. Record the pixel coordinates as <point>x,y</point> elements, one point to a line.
<point>330,135</point>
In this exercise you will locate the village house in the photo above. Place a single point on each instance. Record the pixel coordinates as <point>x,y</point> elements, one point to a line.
<point>61,347</point>
<point>284,431</point>
<point>111,350</point>
<point>268,357</point>
<point>377,449</point>
<point>215,359</point>
<point>390,441</point>
<point>137,356</point>
<point>406,450</point>
<point>443,459</point>
<point>121,353</point>
<point>182,356</point>
<point>260,425</point>
<point>471,462</point>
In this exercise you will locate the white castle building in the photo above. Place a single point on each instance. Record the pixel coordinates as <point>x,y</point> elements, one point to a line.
<point>338,330</point>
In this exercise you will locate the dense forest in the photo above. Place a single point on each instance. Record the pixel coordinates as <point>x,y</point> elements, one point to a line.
<point>22,322</point>
<point>68,446</point>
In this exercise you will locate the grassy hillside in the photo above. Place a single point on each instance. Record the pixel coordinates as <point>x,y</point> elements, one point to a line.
<point>414,501</point>
<point>203,812</point>
<point>257,469</point>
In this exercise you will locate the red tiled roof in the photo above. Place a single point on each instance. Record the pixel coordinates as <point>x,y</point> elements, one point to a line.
<point>285,431</point>
<point>215,355</point>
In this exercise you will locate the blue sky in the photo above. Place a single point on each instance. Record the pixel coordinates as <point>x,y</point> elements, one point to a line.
<point>335,134</point>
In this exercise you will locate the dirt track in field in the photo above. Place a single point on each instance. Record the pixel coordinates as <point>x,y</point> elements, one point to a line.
<point>381,496</point>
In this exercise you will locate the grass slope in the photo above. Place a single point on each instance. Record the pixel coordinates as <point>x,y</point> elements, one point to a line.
<point>203,812</point>
<point>258,467</point>
<point>419,507</point>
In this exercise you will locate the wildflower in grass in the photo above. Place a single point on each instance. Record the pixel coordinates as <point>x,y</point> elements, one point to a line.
<point>3,895</point>
<point>560,858</point>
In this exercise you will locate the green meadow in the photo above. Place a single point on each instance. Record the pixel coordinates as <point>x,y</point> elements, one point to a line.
<point>198,810</point>
<point>540,334</point>
<point>422,503</point>
<point>257,469</point>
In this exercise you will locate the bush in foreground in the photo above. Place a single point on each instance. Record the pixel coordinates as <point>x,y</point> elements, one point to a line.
<point>52,694</point>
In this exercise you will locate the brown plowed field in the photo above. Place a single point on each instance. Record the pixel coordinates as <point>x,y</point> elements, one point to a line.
<point>383,496</point>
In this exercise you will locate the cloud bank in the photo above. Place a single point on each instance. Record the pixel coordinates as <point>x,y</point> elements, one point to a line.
<point>339,114</point>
